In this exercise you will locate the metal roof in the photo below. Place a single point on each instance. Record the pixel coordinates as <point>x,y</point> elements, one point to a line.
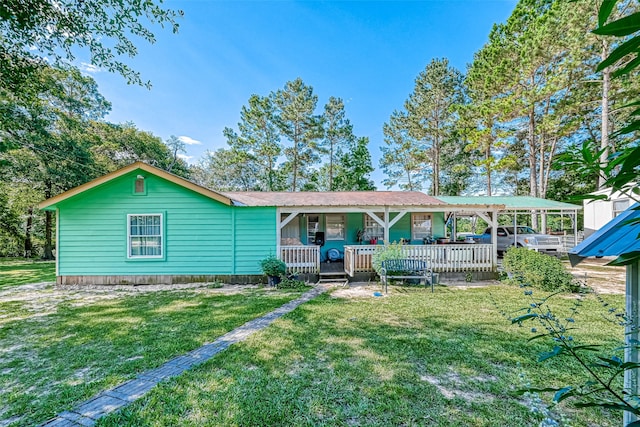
<point>333,198</point>
<point>511,202</point>
<point>615,238</point>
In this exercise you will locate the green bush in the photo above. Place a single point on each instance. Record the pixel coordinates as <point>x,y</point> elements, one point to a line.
<point>384,253</point>
<point>273,266</point>
<point>538,270</point>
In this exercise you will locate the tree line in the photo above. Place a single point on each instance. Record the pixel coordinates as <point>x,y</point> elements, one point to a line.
<point>283,144</point>
<point>530,115</point>
<point>527,109</point>
<point>57,139</point>
<point>53,135</point>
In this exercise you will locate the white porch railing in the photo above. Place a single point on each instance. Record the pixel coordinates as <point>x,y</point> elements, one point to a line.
<point>442,258</point>
<point>357,259</point>
<point>301,259</point>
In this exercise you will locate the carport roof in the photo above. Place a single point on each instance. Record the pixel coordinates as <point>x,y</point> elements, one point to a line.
<point>511,202</point>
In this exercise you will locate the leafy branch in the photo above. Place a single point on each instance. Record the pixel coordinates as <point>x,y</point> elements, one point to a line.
<point>601,389</point>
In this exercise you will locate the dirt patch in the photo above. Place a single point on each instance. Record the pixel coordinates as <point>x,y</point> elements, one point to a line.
<point>602,278</point>
<point>41,299</point>
<point>451,385</point>
<point>358,290</point>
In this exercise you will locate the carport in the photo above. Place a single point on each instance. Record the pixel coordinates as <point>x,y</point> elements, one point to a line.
<point>513,206</point>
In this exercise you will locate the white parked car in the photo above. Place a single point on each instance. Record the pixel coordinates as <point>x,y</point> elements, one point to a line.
<point>526,237</point>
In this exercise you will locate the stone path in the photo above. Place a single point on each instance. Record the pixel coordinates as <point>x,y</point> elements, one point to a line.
<point>88,412</point>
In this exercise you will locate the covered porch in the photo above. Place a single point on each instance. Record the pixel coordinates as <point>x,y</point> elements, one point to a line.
<point>313,239</point>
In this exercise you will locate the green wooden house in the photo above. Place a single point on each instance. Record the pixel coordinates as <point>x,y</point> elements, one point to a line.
<point>142,225</point>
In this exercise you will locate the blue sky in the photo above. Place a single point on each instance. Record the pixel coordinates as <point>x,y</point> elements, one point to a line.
<point>367,53</point>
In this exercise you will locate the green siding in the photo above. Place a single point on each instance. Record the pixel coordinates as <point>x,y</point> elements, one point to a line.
<point>202,236</point>
<point>255,237</point>
<point>402,228</point>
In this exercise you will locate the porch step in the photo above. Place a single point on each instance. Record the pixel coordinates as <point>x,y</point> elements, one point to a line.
<point>333,276</point>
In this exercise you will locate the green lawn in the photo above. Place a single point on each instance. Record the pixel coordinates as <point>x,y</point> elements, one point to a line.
<point>14,272</point>
<point>411,359</point>
<point>60,347</point>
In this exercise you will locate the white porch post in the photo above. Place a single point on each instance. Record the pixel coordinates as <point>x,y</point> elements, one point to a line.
<point>491,218</point>
<point>494,237</point>
<point>632,334</point>
<point>386,225</point>
<point>454,228</point>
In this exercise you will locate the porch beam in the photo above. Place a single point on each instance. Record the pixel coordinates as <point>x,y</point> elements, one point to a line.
<point>397,218</point>
<point>485,217</point>
<point>376,218</point>
<point>288,219</point>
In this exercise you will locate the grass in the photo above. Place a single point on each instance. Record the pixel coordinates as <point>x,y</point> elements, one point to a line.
<point>413,358</point>
<point>58,348</point>
<point>15,272</point>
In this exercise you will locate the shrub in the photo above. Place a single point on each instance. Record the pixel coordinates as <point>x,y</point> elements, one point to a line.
<point>384,253</point>
<point>538,270</point>
<point>273,266</point>
<point>291,283</point>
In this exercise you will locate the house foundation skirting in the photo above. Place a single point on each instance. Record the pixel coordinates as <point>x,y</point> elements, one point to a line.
<point>442,277</point>
<point>157,279</point>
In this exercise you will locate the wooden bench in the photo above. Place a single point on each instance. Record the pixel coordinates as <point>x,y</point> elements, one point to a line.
<point>406,269</point>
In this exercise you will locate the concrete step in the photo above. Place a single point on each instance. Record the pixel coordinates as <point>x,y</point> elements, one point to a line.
<point>333,274</point>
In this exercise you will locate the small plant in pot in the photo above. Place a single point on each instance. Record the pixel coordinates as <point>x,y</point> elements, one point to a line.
<point>274,268</point>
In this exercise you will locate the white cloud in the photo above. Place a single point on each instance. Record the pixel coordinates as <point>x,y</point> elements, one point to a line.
<point>89,68</point>
<point>189,141</point>
<point>185,157</point>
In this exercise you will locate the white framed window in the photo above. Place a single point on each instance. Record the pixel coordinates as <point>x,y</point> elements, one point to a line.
<point>620,206</point>
<point>145,234</point>
<point>373,230</point>
<point>420,226</point>
<point>335,227</point>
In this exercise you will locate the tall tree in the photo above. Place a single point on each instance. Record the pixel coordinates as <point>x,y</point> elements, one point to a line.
<point>338,135</point>
<point>354,167</point>
<point>295,106</point>
<point>402,157</point>
<point>431,115</point>
<point>176,147</point>
<point>117,145</point>
<point>227,169</point>
<point>31,30</point>
<point>481,117</point>
<point>55,156</point>
<point>259,139</point>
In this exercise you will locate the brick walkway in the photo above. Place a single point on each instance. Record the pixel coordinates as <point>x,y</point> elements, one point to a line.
<point>88,412</point>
